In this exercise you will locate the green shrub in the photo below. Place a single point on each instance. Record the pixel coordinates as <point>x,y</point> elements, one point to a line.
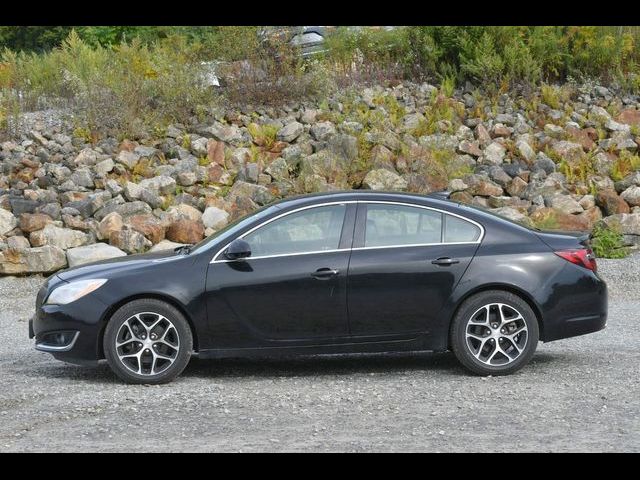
<point>608,242</point>
<point>123,89</point>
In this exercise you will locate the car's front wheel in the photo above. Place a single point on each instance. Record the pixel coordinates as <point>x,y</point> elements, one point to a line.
<point>147,341</point>
<point>494,333</point>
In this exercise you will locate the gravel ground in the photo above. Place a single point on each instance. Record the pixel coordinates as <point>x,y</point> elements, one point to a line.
<point>579,394</point>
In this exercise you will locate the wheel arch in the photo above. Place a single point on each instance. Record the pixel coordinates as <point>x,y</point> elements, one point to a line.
<point>507,288</point>
<point>164,298</point>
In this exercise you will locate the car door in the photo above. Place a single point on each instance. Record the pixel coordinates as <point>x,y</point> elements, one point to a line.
<point>405,263</point>
<point>293,286</point>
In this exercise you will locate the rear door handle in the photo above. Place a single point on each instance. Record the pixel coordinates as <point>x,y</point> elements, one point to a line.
<point>444,261</point>
<point>325,273</point>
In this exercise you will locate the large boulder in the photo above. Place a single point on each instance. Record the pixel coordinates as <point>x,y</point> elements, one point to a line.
<point>32,260</point>
<point>257,193</point>
<point>482,186</point>
<point>322,130</point>
<point>162,184</point>
<point>632,196</point>
<point>383,179</point>
<point>128,159</point>
<point>552,219</point>
<point>110,223</point>
<point>327,165</point>
<point>569,151</point>
<point>184,230</point>
<point>290,132</point>
<point>564,203</point>
<point>611,202</point>
<point>92,253</point>
<point>165,245</point>
<point>129,240</point>
<point>215,218</point>
<point>513,214</point>
<point>494,154</point>
<point>148,225</point>
<point>628,223</point>
<point>184,211</point>
<point>225,133</point>
<point>629,116</point>
<point>7,221</point>
<point>63,238</point>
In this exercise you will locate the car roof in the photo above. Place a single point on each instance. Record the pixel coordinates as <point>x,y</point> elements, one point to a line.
<point>438,200</point>
<point>354,195</point>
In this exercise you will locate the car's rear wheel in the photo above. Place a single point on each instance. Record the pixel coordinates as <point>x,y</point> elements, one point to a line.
<point>147,341</point>
<point>494,333</point>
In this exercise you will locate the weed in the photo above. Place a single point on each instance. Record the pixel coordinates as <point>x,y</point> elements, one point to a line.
<point>608,241</point>
<point>264,135</point>
<point>625,164</point>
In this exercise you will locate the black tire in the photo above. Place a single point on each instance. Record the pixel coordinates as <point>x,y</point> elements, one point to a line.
<point>463,348</point>
<point>181,355</point>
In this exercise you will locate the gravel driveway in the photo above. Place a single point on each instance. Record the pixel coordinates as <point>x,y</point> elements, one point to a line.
<point>579,394</point>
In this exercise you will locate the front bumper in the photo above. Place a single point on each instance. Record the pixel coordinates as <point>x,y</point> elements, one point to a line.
<point>70,332</point>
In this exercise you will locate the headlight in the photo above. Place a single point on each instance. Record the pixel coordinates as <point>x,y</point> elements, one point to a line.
<point>73,291</point>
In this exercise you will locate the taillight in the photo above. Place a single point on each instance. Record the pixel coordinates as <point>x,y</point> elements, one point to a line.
<point>583,257</point>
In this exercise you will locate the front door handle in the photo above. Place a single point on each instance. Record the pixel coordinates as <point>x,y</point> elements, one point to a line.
<point>444,261</point>
<point>325,273</point>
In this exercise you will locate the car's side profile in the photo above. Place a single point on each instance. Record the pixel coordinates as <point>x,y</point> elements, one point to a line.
<point>330,273</point>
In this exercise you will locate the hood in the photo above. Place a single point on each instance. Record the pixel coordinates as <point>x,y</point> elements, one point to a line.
<point>113,265</point>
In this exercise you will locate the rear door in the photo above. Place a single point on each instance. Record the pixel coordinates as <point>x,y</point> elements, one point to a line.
<point>405,263</point>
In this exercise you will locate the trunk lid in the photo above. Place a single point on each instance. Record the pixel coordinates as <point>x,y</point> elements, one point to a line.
<point>562,240</point>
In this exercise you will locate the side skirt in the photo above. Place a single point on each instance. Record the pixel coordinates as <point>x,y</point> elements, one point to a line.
<point>360,347</point>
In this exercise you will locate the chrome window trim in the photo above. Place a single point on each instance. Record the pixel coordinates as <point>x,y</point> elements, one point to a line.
<point>384,202</point>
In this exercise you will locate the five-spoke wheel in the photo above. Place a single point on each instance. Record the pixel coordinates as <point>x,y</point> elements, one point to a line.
<point>494,333</point>
<point>148,341</point>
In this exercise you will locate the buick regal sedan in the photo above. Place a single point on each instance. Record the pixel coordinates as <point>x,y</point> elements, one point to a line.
<point>330,273</point>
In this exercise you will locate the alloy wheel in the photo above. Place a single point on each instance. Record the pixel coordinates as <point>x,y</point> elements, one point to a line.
<point>496,334</point>
<point>147,343</point>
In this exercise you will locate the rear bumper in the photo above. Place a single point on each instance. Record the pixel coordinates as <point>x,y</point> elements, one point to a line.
<point>580,310</point>
<point>574,327</point>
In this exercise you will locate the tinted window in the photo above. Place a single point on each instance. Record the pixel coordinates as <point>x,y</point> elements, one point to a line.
<point>311,230</point>
<point>391,225</point>
<point>458,230</point>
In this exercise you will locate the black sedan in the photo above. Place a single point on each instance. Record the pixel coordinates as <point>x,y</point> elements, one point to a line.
<point>330,273</point>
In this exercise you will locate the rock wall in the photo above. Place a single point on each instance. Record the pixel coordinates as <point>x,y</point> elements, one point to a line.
<point>66,201</point>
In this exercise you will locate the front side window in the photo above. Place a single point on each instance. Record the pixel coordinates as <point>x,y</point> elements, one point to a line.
<point>393,225</point>
<point>312,230</point>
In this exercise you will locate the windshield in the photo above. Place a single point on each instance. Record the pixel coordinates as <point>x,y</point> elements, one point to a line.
<point>234,227</point>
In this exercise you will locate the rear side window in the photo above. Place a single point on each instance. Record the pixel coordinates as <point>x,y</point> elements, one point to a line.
<point>458,230</point>
<point>392,225</point>
<point>397,225</point>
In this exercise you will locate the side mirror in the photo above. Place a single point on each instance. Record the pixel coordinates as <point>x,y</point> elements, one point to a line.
<point>238,249</point>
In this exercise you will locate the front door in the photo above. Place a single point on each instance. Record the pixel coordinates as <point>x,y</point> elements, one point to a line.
<point>293,286</point>
<point>405,263</point>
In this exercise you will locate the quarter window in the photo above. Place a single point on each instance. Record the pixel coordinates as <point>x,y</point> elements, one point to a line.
<point>458,230</point>
<point>311,230</point>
